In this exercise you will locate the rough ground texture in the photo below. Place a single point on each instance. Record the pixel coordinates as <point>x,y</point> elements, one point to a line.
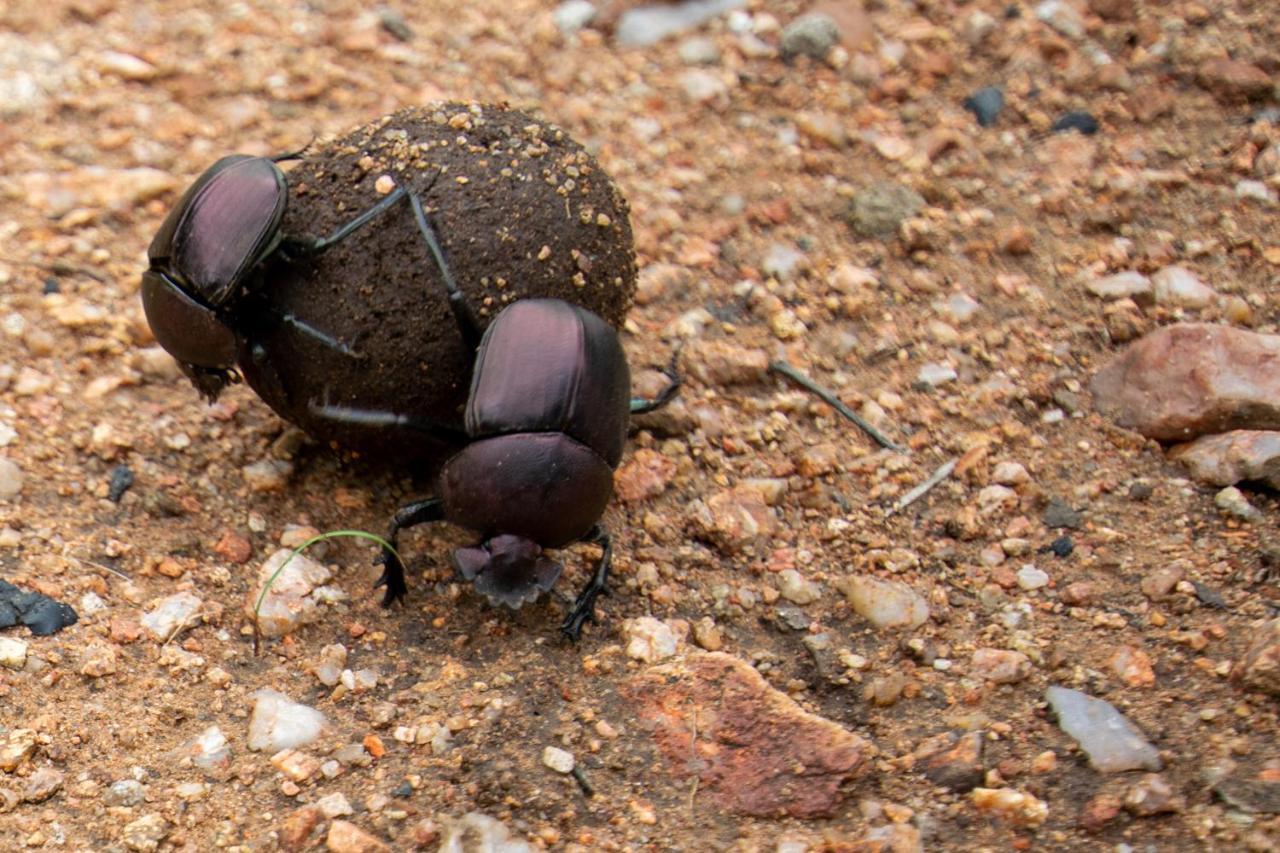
<point>965,331</point>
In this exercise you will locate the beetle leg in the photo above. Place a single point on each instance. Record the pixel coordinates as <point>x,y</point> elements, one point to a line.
<point>377,418</point>
<point>304,328</point>
<point>641,406</point>
<point>296,247</point>
<point>584,606</point>
<point>209,381</point>
<point>418,512</point>
<point>458,304</point>
<point>267,371</point>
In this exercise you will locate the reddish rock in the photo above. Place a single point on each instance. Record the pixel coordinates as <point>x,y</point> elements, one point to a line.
<point>1151,795</point>
<point>953,760</point>
<point>125,631</point>
<point>1234,80</point>
<point>1099,811</point>
<point>1079,593</point>
<point>733,519</point>
<point>296,829</point>
<point>233,548</point>
<point>346,837</point>
<point>715,362</point>
<point>645,475</point>
<point>1150,102</point>
<point>1132,666</point>
<point>1259,669</point>
<point>856,30</point>
<point>1193,379</point>
<point>754,750</point>
<point>1229,458</point>
<point>1113,10</point>
<point>999,665</point>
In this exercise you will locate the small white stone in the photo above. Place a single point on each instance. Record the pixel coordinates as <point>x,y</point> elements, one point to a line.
<point>934,374</point>
<point>13,652</point>
<point>171,614</point>
<point>1010,474</point>
<point>883,603</point>
<point>334,805</point>
<point>558,760</point>
<point>1180,287</point>
<point>1031,578</point>
<point>210,751</point>
<point>795,588</point>
<point>1254,191</point>
<point>280,723</point>
<point>649,639</point>
<point>91,603</point>
<point>573,15</point>
<point>10,479</point>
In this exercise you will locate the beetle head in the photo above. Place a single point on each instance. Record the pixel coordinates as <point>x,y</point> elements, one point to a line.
<point>203,345</point>
<point>508,570</point>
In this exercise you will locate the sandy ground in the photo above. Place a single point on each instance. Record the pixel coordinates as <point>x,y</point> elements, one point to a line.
<point>740,169</point>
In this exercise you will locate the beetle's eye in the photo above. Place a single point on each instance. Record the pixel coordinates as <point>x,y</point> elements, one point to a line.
<point>189,331</point>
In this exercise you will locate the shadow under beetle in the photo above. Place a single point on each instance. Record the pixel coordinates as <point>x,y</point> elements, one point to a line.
<point>546,420</point>
<point>216,239</point>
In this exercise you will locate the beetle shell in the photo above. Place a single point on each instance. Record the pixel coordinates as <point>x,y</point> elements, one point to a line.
<point>223,226</point>
<point>546,365</point>
<point>545,486</point>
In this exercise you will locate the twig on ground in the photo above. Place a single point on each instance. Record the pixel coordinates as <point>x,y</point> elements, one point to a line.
<point>57,268</point>
<point>84,562</point>
<point>832,400</point>
<point>943,472</point>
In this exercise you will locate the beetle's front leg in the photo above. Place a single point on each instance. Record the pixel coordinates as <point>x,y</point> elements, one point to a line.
<point>583,609</point>
<point>209,381</point>
<point>418,512</point>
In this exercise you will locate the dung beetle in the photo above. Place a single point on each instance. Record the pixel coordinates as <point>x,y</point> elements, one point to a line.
<point>216,239</point>
<point>546,420</point>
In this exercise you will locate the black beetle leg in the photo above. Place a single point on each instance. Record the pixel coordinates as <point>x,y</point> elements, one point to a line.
<point>458,304</point>
<point>298,247</point>
<point>375,418</point>
<point>209,381</point>
<point>304,328</point>
<point>268,371</point>
<point>641,406</point>
<point>409,515</point>
<point>584,606</point>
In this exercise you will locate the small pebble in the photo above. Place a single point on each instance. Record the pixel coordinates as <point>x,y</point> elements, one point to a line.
<point>1032,578</point>
<point>986,104</point>
<point>1079,121</point>
<point>558,760</point>
<point>812,35</point>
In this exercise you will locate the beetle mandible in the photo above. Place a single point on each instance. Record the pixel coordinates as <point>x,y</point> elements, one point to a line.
<point>218,236</point>
<point>546,420</point>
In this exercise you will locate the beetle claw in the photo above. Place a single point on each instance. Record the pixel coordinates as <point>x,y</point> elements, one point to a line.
<point>392,578</point>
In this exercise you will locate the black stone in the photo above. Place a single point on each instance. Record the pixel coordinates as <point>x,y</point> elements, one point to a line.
<point>38,612</point>
<point>986,104</point>
<point>1076,120</point>
<point>121,480</point>
<point>1209,596</point>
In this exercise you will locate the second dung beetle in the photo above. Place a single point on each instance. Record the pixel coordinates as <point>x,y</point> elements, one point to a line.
<point>546,420</point>
<point>210,249</point>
